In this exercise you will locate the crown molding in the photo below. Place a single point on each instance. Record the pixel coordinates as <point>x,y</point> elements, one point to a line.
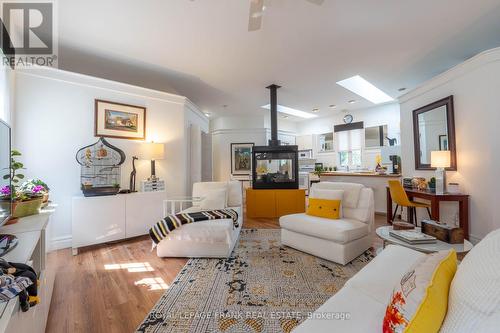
<point>195,109</point>
<point>100,83</point>
<point>482,59</point>
<point>239,131</point>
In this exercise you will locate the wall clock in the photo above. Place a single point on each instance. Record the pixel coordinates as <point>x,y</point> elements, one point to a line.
<point>348,118</point>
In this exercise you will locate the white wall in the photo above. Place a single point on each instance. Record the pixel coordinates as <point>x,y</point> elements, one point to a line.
<point>242,129</point>
<point>7,81</point>
<point>227,130</point>
<point>256,128</point>
<point>387,114</point>
<point>475,87</point>
<point>54,117</point>
<point>195,122</point>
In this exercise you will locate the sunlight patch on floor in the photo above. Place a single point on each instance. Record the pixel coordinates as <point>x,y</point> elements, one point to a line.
<point>155,283</point>
<point>131,267</point>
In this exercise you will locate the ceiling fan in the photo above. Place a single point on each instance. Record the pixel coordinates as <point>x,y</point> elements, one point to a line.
<point>257,10</point>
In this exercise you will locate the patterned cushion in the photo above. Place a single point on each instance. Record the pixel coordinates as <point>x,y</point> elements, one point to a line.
<point>475,291</point>
<point>419,302</point>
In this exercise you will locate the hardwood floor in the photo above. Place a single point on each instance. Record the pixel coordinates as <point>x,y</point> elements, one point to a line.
<point>111,288</point>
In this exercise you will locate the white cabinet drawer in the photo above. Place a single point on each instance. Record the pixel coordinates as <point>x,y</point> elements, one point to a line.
<point>98,219</point>
<point>143,210</point>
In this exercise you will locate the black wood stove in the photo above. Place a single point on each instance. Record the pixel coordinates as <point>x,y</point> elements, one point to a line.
<point>275,166</point>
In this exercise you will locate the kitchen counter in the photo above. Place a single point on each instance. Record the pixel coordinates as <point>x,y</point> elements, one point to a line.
<point>357,174</point>
<point>372,180</point>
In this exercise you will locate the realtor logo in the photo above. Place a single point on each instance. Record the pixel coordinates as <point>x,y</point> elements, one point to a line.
<point>28,33</point>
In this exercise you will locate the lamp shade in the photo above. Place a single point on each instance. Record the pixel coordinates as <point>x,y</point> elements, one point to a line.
<point>151,151</point>
<point>440,159</point>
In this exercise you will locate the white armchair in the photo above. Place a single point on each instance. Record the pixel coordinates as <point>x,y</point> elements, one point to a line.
<point>205,239</point>
<point>339,240</point>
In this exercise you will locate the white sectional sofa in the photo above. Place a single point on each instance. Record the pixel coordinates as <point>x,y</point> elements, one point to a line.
<point>206,239</point>
<point>474,299</point>
<point>337,240</point>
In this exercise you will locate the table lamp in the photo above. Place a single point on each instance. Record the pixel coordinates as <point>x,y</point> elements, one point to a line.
<point>440,160</point>
<point>152,152</point>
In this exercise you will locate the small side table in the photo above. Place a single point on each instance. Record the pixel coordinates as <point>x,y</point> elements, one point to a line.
<point>383,232</point>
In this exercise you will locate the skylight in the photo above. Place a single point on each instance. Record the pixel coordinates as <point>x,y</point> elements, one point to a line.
<point>292,112</point>
<point>365,89</point>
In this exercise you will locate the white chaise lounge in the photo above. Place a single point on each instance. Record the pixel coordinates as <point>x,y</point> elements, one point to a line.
<point>340,240</point>
<point>206,239</point>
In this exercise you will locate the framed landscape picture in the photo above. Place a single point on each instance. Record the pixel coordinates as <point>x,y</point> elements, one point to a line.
<point>241,158</point>
<point>117,120</point>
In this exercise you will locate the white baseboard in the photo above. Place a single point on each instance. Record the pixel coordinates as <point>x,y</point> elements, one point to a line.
<point>64,242</point>
<point>473,239</point>
<point>61,242</point>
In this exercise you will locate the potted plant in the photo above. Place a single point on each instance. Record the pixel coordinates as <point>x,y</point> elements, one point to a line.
<point>318,171</point>
<point>26,199</point>
<point>36,187</point>
<point>432,184</point>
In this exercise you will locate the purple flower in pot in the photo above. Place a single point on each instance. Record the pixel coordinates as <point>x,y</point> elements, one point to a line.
<point>37,189</point>
<point>5,191</point>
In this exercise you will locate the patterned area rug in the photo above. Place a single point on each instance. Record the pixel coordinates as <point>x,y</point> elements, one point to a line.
<point>263,287</point>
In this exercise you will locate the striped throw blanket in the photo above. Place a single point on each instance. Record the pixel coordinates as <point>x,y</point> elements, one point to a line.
<point>161,229</point>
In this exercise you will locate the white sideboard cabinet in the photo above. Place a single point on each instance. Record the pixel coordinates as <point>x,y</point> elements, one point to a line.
<point>97,220</point>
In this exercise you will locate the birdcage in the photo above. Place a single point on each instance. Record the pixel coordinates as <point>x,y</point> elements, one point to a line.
<point>100,168</point>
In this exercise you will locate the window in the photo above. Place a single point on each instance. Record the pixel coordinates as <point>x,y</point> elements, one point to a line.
<point>350,158</point>
<point>349,148</point>
<point>325,142</point>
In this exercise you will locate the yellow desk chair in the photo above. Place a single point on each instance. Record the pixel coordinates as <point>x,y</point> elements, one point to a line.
<point>398,195</point>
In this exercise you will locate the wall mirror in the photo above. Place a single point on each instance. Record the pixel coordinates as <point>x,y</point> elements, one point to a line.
<point>376,136</point>
<point>434,129</point>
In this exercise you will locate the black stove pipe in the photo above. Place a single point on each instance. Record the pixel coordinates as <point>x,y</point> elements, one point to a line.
<point>273,88</point>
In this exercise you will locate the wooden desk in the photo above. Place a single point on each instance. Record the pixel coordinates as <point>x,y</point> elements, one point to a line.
<point>435,199</point>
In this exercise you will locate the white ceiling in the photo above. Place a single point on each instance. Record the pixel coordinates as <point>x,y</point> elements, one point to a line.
<point>202,49</point>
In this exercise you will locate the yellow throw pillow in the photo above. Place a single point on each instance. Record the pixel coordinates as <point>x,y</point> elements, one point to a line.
<point>329,209</point>
<point>420,301</point>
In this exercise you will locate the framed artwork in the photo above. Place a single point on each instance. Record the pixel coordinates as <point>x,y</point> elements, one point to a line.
<point>117,120</point>
<point>443,142</point>
<point>241,158</point>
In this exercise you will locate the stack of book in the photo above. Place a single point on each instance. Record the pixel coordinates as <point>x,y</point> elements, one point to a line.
<point>413,237</point>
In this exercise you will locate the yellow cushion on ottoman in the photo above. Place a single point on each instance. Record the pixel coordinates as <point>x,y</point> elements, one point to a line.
<point>329,209</point>
<point>420,302</point>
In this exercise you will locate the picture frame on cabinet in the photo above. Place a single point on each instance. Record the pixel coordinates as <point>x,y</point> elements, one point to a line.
<point>241,158</point>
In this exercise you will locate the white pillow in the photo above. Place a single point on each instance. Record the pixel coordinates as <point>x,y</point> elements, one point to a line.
<point>234,193</point>
<point>475,289</point>
<point>352,192</point>
<point>200,189</point>
<point>214,199</point>
<point>329,195</point>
